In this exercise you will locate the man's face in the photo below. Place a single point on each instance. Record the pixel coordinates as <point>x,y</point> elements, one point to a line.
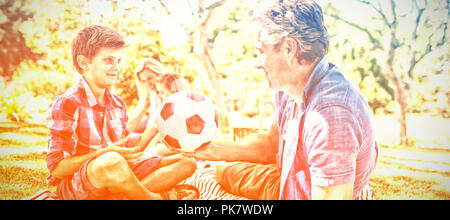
<point>270,59</point>
<point>103,68</point>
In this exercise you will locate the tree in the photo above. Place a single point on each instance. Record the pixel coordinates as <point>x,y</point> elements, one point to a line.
<point>427,33</point>
<point>142,38</point>
<point>198,37</point>
<point>14,48</point>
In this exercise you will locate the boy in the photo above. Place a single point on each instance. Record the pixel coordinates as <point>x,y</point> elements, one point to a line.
<point>86,157</point>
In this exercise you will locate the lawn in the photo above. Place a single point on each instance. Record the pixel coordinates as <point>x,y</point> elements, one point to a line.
<point>401,172</point>
<point>22,160</point>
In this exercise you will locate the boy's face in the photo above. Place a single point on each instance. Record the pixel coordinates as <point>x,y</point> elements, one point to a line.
<point>103,68</point>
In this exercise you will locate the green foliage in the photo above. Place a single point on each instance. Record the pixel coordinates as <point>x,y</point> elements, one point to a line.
<point>48,27</point>
<point>14,49</point>
<point>27,97</point>
<point>363,58</point>
<point>231,37</point>
<point>362,67</point>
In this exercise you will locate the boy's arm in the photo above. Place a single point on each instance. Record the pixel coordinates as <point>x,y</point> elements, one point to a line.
<point>70,165</point>
<point>62,121</point>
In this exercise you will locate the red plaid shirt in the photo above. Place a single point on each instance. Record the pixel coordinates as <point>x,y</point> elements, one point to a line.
<point>79,124</point>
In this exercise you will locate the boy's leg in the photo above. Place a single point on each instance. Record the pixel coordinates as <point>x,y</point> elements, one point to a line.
<point>110,171</point>
<point>171,170</point>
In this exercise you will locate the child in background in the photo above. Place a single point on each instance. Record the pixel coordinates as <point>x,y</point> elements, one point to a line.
<point>166,85</point>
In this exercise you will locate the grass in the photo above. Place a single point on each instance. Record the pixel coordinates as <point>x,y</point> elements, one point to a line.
<point>401,173</point>
<point>412,173</point>
<point>23,170</point>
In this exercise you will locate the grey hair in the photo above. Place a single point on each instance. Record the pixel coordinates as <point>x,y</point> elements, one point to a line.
<point>299,19</point>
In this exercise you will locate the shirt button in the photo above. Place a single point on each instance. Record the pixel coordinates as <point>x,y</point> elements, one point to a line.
<point>330,181</point>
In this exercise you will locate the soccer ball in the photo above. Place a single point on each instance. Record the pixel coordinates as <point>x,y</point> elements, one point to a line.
<point>187,121</point>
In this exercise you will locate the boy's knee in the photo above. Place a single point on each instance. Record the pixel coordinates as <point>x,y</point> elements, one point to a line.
<point>109,169</point>
<point>110,161</point>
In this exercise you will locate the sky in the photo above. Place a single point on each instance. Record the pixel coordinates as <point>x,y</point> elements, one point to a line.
<point>173,34</point>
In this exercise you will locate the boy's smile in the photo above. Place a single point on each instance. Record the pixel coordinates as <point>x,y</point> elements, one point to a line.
<point>103,68</point>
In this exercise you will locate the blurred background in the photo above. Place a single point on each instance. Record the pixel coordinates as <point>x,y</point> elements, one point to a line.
<point>399,60</point>
<point>395,52</point>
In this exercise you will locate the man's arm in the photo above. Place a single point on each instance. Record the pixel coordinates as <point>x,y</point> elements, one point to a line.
<point>331,140</point>
<point>259,148</point>
<point>338,192</point>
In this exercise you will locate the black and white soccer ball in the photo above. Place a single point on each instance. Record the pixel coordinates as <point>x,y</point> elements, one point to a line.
<point>187,121</point>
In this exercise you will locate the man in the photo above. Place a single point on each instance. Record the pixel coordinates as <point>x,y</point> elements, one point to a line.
<point>86,157</point>
<point>322,144</point>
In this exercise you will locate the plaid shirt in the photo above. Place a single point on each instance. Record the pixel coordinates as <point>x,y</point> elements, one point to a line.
<point>79,124</point>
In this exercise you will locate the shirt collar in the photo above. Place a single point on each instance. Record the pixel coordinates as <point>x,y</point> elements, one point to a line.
<point>92,101</point>
<point>318,73</point>
<point>114,98</point>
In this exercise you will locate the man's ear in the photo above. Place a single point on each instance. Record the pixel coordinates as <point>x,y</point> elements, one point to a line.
<point>291,49</point>
<point>82,62</point>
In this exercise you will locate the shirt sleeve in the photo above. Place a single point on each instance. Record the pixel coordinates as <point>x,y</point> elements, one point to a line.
<point>62,122</point>
<point>332,140</point>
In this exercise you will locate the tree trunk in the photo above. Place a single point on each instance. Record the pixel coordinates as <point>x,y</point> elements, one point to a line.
<point>399,85</point>
<point>200,35</point>
<point>213,76</point>
<point>209,65</point>
<point>401,115</point>
<point>401,96</point>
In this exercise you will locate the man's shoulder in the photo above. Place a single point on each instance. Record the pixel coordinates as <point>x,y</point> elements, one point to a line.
<point>334,89</point>
<point>335,96</point>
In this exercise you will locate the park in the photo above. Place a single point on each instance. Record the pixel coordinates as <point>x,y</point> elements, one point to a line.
<point>395,54</point>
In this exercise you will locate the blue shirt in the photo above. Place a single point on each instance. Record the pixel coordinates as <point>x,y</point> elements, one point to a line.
<point>330,141</point>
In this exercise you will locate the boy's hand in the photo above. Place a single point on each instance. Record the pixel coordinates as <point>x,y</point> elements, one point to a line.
<point>131,154</point>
